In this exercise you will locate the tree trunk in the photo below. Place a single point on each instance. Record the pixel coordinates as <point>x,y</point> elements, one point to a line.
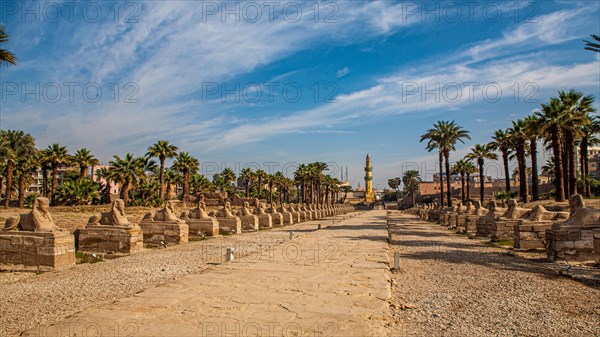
<point>584,167</point>
<point>565,168</point>
<point>481,182</point>
<point>468,186</point>
<point>558,166</point>
<point>125,192</point>
<point>449,191</point>
<point>22,190</point>
<point>54,183</point>
<point>161,178</point>
<point>571,158</point>
<point>523,190</point>
<point>462,187</point>
<point>9,177</point>
<point>247,188</point>
<point>506,170</point>
<point>45,181</point>
<point>186,178</point>
<point>441,163</point>
<point>534,170</point>
<point>82,172</point>
<point>271,193</point>
<point>107,192</point>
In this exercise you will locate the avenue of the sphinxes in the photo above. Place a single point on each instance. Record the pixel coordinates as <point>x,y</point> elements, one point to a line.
<point>278,169</point>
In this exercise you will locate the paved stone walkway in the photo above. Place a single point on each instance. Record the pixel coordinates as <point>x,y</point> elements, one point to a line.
<point>329,282</point>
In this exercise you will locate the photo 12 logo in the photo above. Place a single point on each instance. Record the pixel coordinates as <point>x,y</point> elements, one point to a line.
<point>70,11</point>
<point>68,92</point>
<point>253,92</point>
<point>269,11</point>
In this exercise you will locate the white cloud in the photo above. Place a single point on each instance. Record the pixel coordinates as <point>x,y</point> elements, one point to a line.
<point>343,72</point>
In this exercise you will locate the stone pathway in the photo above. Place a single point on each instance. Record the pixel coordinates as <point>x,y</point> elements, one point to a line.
<point>329,282</point>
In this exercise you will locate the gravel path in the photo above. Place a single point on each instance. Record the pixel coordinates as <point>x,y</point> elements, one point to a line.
<point>449,285</point>
<point>29,300</point>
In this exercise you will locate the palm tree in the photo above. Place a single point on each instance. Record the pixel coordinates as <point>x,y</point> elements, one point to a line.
<point>25,167</point>
<point>502,143</point>
<point>588,138</point>
<point>162,150</point>
<point>434,137</point>
<point>461,168</point>
<point>550,121</point>
<point>577,107</point>
<point>84,159</point>
<point>44,157</point>
<point>518,137</point>
<point>78,192</point>
<point>14,145</point>
<point>412,183</point>
<point>548,168</point>
<point>127,172</point>
<point>199,184</point>
<point>301,174</point>
<point>480,153</point>
<point>451,133</point>
<point>247,176</point>
<point>278,180</point>
<point>593,46</point>
<point>58,156</point>
<point>532,132</point>
<point>6,57</point>
<point>271,180</point>
<point>172,178</point>
<point>260,176</point>
<point>106,174</point>
<point>469,169</point>
<point>187,165</point>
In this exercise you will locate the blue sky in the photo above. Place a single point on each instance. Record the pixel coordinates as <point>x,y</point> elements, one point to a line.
<point>278,83</point>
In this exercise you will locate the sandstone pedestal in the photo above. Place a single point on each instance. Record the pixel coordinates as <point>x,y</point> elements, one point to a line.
<point>164,232</point>
<point>573,244</point>
<point>36,251</point>
<point>265,221</point>
<point>531,235</point>
<point>503,229</point>
<point>110,241</point>
<point>203,227</point>
<point>470,225</point>
<point>230,225</point>
<point>249,223</point>
<point>277,219</point>
<point>484,227</point>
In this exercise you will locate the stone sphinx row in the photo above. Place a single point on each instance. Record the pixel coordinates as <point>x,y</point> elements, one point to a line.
<point>571,236</point>
<point>34,240</point>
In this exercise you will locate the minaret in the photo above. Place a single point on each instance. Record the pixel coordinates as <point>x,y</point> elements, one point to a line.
<point>369,195</point>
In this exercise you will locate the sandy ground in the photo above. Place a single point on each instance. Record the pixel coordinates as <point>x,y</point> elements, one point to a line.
<point>449,285</point>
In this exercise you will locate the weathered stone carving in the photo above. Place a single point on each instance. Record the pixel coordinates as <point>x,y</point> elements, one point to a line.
<point>115,217</point>
<point>167,214</point>
<point>581,216</point>
<point>38,220</point>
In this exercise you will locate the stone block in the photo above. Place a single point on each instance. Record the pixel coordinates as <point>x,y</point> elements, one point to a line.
<point>203,227</point>
<point>230,225</point>
<point>109,241</point>
<point>249,223</point>
<point>163,232</point>
<point>265,221</point>
<point>38,251</point>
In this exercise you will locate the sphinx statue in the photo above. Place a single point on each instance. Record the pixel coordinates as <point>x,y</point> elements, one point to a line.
<point>477,209</point>
<point>167,214</point>
<point>115,217</point>
<point>581,216</point>
<point>540,213</point>
<point>514,211</point>
<point>494,211</point>
<point>38,220</point>
<point>197,213</point>
<point>225,212</point>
